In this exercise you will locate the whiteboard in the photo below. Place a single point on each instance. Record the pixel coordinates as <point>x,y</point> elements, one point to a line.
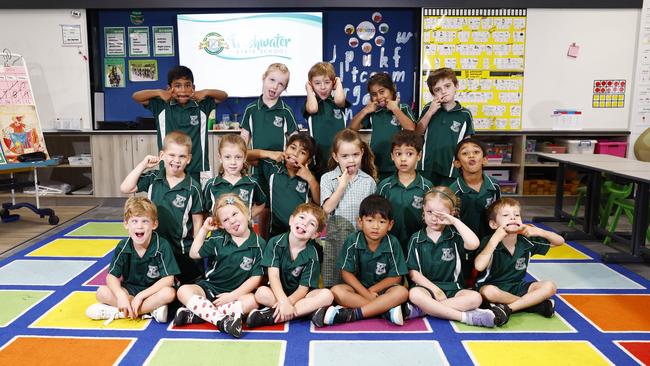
<point>552,80</point>
<point>59,75</point>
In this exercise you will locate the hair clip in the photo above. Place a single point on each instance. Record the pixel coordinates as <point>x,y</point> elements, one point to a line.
<point>230,200</point>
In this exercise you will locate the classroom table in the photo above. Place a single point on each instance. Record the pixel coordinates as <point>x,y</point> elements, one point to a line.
<point>11,184</point>
<point>635,171</point>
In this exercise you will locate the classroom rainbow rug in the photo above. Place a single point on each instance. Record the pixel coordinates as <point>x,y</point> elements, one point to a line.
<point>602,318</point>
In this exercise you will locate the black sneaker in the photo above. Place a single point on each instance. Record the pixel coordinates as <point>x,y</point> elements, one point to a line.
<point>502,314</point>
<point>318,317</point>
<point>184,316</point>
<point>230,325</point>
<point>545,308</point>
<point>411,311</point>
<point>338,314</point>
<point>260,318</point>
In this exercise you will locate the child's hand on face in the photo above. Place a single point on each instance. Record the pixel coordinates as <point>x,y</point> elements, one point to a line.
<point>199,95</point>
<point>166,95</point>
<point>344,178</point>
<point>529,231</point>
<point>435,105</point>
<point>309,89</point>
<point>371,107</point>
<point>392,105</point>
<point>150,161</point>
<point>337,83</point>
<point>444,218</point>
<point>209,224</point>
<point>500,233</point>
<point>304,173</point>
<point>276,155</point>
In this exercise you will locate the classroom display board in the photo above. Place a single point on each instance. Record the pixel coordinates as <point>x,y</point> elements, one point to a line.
<point>20,128</point>
<point>222,49</point>
<point>486,48</point>
<point>361,42</point>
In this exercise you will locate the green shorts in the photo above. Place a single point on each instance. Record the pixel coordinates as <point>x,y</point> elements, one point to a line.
<point>450,289</point>
<point>191,270</point>
<point>133,289</point>
<point>211,291</point>
<point>517,289</point>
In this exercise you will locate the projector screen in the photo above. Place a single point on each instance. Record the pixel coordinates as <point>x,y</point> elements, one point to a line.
<point>232,51</point>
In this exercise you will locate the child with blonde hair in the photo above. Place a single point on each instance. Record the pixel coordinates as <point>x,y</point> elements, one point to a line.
<point>234,255</point>
<point>434,262</point>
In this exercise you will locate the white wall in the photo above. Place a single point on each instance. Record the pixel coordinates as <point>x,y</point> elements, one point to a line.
<point>59,75</point>
<point>552,80</point>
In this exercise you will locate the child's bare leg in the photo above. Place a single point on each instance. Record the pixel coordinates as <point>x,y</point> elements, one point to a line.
<point>315,299</point>
<point>394,296</point>
<point>422,298</point>
<point>537,292</point>
<point>106,296</point>
<point>345,296</point>
<point>494,294</point>
<point>158,299</point>
<point>464,300</point>
<point>186,292</point>
<point>248,303</point>
<point>264,296</point>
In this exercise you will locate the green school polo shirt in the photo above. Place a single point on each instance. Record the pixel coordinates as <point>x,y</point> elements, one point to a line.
<point>285,194</point>
<point>175,206</point>
<point>325,124</point>
<point>445,130</point>
<point>474,205</point>
<point>510,269</point>
<point>268,127</point>
<point>371,267</point>
<point>384,125</point>
<point>192,119</point>
<point>246,188</point>
<point>439,262</point>
<point>406,203</point>
<point>302,271</point>
<point>230,265</point>
<point>142,272</point>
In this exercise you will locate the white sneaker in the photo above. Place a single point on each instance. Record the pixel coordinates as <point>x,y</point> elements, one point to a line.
<point>100,311</point>
<point>160,314</point>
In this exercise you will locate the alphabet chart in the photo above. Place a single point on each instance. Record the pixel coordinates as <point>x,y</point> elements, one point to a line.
<point>485,47</point>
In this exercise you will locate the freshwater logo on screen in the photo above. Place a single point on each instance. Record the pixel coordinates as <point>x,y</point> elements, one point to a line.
<point>243,47</point>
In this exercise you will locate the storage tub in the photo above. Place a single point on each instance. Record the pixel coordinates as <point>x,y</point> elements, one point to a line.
<point>578,146</point>
<point>616,148</point>
<point>554,149</point>
<point>499,174</point>
<point>508,187</point>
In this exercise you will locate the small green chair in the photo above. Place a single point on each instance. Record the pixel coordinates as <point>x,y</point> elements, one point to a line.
<point>610,192</point>
<point>625,206</point>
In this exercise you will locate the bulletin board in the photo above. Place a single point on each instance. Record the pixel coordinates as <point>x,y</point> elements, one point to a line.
<point>486,48</point>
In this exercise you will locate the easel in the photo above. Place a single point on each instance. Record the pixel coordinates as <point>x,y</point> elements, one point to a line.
<point>12,184</point>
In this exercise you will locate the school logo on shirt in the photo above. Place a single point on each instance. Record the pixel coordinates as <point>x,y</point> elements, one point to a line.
<point>394,121</point>
<point>381,268</point>
<point>297,271</point>
<point>447,255</point>
<point>194,120</point>
<point>246,263</point>
<point>488,201</point>
<point>278,121</point>
<point>243,194</point>
<point>153,272</point>
<point>417,202</point>
<point>521,264</point>
<point>338,114</point>
<point>179,201</point>
<point>455,126</point>
<point>301,187</point>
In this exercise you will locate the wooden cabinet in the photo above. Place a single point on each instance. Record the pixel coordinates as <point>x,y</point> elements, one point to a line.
<point>112,161</point>
<point>143,145</point>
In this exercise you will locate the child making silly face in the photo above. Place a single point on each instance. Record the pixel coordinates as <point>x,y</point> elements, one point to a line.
<point>274,82</point>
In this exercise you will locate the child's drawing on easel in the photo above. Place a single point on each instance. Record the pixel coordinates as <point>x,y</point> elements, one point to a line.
<point>20,131</point>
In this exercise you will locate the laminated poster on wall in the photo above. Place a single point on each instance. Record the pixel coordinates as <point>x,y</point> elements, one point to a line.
<point>143,70</point>
<point>163,41</point>
<point>139,42</point>
<point>115,44</point>
<point>114,73</point>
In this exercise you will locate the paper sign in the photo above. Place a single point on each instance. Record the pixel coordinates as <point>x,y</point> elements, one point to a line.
<point>71,35</point>
<point>138,41</point>
<point>114,41</point>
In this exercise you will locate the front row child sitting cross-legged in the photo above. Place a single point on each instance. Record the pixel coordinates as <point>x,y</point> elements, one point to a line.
<point>234,255</point>
<point>503,259</point>
<point>145,264</point>
<point>292,264</point>
<point>372,265</point>
<point>434,260</point>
